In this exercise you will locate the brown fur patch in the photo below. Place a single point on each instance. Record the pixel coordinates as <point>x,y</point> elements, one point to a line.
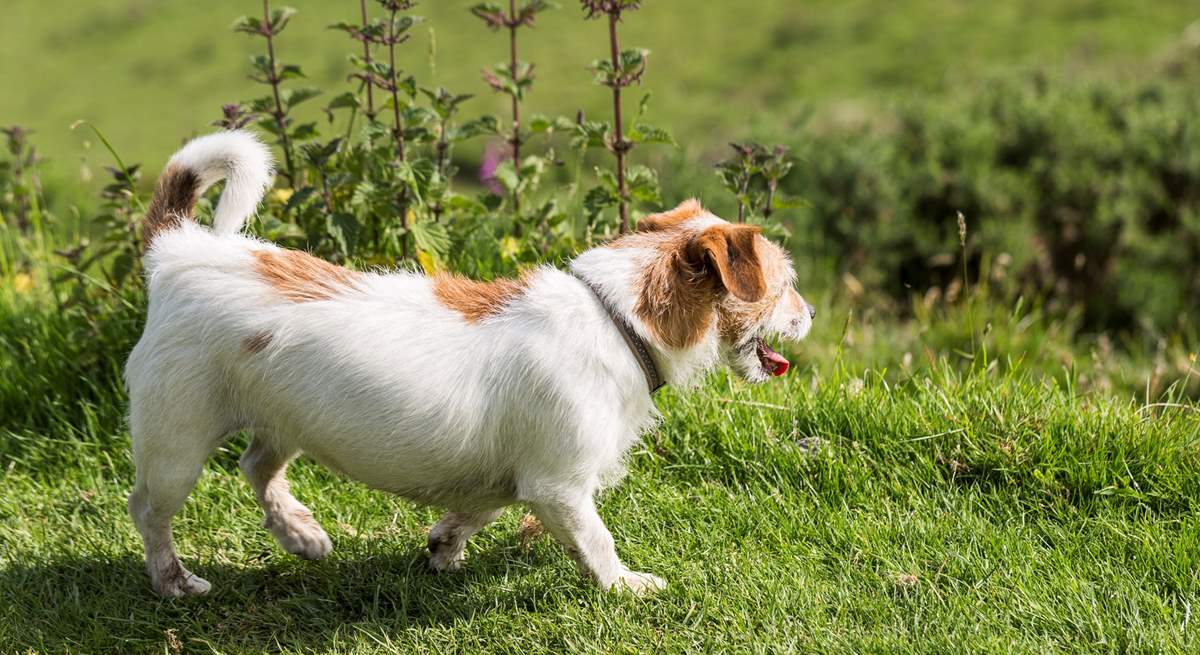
<point>300,277</point>
<point>686,210</point>
<point>174,197</point>
<point>682,287</point>
<point>677,298</point>
<point>257,343</point>
<point>733,250</point>
<point>476,300</point>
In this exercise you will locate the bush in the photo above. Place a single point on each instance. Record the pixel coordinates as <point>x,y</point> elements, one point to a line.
<point>1091,192</point>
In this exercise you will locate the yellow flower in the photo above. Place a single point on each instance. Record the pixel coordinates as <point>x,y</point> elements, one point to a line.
<point>281,196</point>
<point>510,248</point>
<point>22,283</point>
<point>428,262</point>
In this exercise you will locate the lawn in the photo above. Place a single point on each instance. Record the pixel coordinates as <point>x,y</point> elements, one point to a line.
<point>946,507</point>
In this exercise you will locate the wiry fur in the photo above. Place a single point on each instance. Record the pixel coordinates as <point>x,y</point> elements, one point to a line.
<point>535,400</point>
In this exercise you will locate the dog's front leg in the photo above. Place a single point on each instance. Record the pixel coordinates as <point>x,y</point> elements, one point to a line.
<point>573,520</point>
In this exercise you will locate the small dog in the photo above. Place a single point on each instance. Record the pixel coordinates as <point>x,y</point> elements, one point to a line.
<point>468,395</point>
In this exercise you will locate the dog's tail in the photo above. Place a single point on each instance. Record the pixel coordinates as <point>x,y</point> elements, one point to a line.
<point>237,157</point>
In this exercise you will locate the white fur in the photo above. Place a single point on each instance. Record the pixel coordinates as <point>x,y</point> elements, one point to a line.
<point>237,157</point>
<point>537,404</point>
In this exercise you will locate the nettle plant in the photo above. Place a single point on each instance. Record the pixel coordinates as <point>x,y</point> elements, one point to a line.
<point>376,183</point>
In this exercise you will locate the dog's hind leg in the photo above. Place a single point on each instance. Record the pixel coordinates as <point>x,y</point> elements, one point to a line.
<point>169,452</point>
<point>265,464</point>
<point>448,539</point>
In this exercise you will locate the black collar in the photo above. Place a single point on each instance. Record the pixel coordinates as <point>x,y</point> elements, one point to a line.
<point>637,345</point>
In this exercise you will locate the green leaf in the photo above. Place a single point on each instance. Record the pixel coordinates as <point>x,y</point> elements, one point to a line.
<point>344,229</point>
<point>248,25</point>
<point>305,132</point>
<point>431,237</point>
<point>280,18</point>
<point>344,100</point>
<point>481,126</point>
<point>644,133</point>
<point>507,176</point>
<point>293,97</point>
<point>598,199</point>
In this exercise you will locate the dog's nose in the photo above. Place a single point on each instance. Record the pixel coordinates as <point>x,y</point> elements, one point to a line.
<point>812,311</point>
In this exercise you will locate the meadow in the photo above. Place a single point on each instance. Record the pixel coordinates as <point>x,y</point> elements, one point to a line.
<point>989,442</point>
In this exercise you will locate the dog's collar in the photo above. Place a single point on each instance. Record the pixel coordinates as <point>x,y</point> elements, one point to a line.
<point>637,345</point>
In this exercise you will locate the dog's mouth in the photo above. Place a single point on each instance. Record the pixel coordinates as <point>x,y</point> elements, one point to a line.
<point>772,362</point>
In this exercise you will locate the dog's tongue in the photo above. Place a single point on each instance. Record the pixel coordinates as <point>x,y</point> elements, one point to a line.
<point>772,361</point>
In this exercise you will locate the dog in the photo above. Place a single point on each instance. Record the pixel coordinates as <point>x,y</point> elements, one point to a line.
<point>466,395</point>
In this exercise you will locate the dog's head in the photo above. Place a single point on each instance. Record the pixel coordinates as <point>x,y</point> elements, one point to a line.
<point>701,272</point>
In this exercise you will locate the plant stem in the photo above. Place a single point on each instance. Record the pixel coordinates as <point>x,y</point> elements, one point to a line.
<point>770,209</point>
<point>619,144</point>
<point>398,131</point>
<point>515,139</point>
<point>280,115</point>
<point>741,198</point>
<point>362,5</point>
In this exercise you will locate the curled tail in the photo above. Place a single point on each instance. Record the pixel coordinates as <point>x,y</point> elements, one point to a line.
<point>237,157</point>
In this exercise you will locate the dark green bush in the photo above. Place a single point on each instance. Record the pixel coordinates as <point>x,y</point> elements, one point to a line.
<point>1090,190</point>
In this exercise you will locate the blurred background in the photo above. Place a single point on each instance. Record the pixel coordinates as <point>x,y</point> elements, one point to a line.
<point>1063,131</point>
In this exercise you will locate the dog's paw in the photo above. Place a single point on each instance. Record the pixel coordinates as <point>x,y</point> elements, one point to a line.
<point>183,583</point>
<point>443,556</point>
<point>300,535</point>
<point>640,584</point>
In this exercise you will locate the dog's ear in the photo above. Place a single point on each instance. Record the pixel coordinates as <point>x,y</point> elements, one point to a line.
<point>730,253</point>
<point>666,220</point>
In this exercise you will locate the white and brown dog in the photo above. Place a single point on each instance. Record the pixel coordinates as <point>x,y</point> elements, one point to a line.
<point>468,395</point>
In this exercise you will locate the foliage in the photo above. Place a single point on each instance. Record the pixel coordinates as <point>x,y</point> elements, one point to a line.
<point>1087,194</point>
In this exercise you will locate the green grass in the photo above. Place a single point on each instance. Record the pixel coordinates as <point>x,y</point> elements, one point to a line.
<point>151,72</point>
<point>844,508</point>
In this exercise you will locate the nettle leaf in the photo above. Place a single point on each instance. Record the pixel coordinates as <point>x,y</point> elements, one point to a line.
<point>414,116</point>
<point>431,237</point>
<point>641,183</point>
<point>644,133</point>
<point>540,123</point>
<point>276,230</point>
<point>464,205</point>
<point>290,71</point>
<point>484,125</point>
<point>344,229</point>
<point>643,104</point>
<point>599,198</point>
<point>263,105</point>
<point>317,154</point>
<point>408,86</point>
<point>305,131</point>
<point>280,18</point>
<point>298,199</point>
<point>293,97</point>
<point>365,193</point>
<point>506,175</point>
<point>345,100</point>
<point>590,134</point>
<point>248,25</point>
<point>608,180</point>
<point>491,14</point>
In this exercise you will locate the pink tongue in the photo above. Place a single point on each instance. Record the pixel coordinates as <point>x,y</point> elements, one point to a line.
<point>772,361</point>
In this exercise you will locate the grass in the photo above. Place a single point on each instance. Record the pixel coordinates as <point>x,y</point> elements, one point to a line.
<point>150,73</point>
<point>843,509</point>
